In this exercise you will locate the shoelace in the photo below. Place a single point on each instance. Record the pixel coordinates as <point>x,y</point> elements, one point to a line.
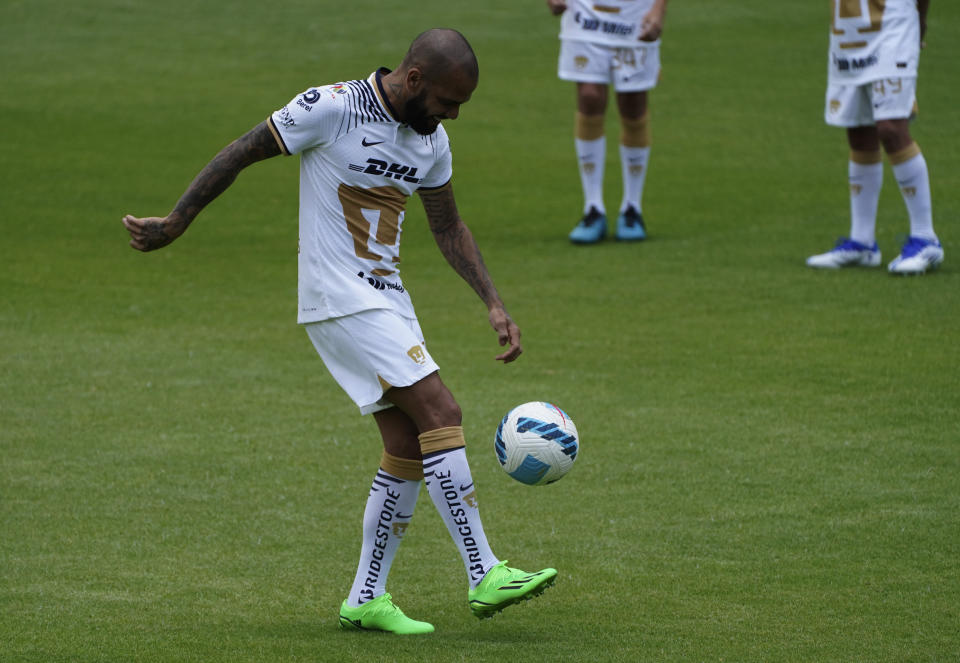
<point>845,243</point>
<point>591,217</point>
<point>913,247</point>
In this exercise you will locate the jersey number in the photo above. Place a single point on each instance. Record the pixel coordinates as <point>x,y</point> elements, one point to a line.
<point>362,209</point>
<point>628,57</point>
<point>850,14</point>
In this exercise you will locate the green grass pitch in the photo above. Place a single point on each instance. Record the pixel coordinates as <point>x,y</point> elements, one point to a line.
<point>770,455</point>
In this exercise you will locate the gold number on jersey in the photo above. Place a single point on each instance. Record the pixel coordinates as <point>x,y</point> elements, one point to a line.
<point>386,204</point>
<point>850,10</point>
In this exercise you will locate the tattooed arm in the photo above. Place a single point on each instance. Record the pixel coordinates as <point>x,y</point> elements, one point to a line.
<point>459,248</point>
<point>154,232</point>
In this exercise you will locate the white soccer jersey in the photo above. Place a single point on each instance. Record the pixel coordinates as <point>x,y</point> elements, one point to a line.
<point>609,22</point>
<point>358,167</point>
<point>872,40</point>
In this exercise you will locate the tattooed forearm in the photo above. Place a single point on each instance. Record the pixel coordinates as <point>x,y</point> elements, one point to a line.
<point>457,244</point>
<point>256,145</point>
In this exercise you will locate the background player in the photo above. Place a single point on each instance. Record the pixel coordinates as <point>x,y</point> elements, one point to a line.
<point>366,146</point>
<point>610,42</point>
<point>871,90</point>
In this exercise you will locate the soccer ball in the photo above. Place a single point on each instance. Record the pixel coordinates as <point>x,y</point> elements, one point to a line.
<point>536,443</point>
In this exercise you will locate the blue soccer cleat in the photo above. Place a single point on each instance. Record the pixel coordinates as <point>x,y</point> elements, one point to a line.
<point>591,228</point>
<point>846,253</point>
<point>630,226</point>
<point>917,256</point>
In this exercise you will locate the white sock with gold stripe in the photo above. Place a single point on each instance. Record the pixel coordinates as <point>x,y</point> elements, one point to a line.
<point>633,167</point>
<point>590,159</point>
<point>450,485</point>
<point>385,520</point>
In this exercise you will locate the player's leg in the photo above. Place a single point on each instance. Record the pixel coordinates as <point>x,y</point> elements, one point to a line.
<point>437,418</point>
<point>591,143</point>
<point>894,102</point>
<point>849,107</point>
<point>922,250</point>
<point>493,585</point>
<point>588,66</point>
<point>591,148</point>
<point>910,171</point>
<point>865,176</point>
<point>362,351</point>
<point>386,517</point>
<point>634,159</point>
<point>635,71</point>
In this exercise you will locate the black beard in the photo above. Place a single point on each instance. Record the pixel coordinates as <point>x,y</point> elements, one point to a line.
<point>415,115</point>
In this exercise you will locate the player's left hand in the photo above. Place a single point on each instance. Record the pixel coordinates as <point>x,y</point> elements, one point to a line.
<point>652,25</point>
<point>508,333</point>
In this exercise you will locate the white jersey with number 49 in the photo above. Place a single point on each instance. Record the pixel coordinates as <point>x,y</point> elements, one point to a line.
<point>358,167</point>
<point>872,40</point>
<point>609,22</point>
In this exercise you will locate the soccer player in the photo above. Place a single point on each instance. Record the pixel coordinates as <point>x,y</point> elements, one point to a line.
<point>365,146</point>
<point>871,90</point>
<point>602,43</point>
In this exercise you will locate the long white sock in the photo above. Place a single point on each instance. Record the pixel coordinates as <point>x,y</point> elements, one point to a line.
<point>590,159</point>
<point>450,485</point>
<point>385,519</point>
<point>914,181</point>
<point>633,167</point>
<point>865,174</point>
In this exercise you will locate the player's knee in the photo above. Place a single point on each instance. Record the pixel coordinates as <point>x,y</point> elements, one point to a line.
<point>632,105</point>
<point>591,99</point>
<point>447,413</point>
<point>894,134</point>
<point>435,408</point>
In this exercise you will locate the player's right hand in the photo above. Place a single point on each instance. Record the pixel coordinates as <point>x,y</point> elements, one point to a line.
<point>151,232</point>
<point>557,7</point>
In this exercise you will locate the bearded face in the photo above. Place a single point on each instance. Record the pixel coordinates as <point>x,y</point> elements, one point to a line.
<point>416,115</point>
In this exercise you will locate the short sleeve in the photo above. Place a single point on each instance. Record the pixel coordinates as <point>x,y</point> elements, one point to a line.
<point>442,169</point>
<point>311,119</point>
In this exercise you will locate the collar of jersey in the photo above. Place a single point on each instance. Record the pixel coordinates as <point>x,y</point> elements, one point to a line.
<point>376,82</point>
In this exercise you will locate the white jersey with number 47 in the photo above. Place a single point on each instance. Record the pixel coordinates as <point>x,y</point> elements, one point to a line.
<point>358,167</point>
<point>872,40</point>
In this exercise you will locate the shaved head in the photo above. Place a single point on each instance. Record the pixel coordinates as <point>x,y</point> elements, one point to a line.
<point>436,77</point>
<point>441,53</point>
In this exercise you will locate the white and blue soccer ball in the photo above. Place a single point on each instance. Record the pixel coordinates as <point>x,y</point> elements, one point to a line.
<point>536,443</point>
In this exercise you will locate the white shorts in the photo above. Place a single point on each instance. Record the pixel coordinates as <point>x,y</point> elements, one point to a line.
<point>369,352</point>
<point>633,69</point>
<point>863,105</point>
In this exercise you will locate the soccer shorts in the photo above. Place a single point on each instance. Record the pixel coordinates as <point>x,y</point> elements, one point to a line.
<point>633,69</point>
<point>369,352</point>
<point>863,105</point>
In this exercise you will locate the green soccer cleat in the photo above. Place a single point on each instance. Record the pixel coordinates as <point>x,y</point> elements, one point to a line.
<point>380,614</point>
<point>503,586</point>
